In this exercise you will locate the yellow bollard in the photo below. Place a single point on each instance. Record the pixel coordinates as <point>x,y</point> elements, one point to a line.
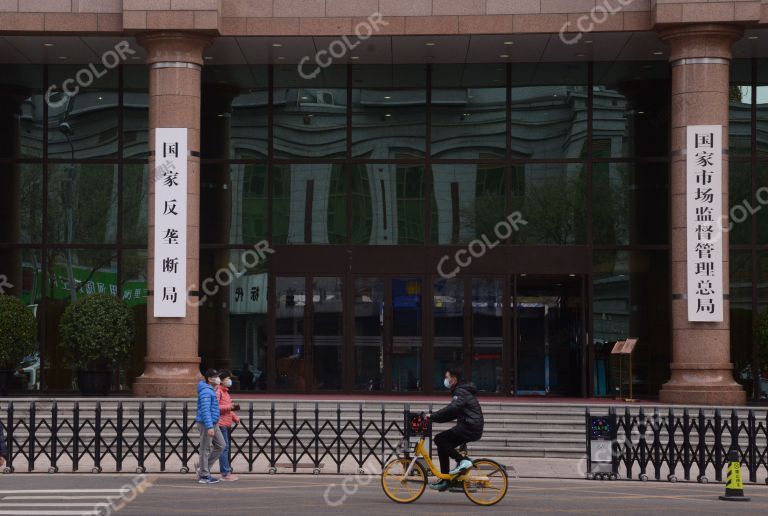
<point>734,487</point>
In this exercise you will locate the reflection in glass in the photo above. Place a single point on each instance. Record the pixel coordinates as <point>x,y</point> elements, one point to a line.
<point>82,203</point>
<point>135,112</point>
<point>629,116</point>
<point>70,275</point>
<point>84,125</point>
<point>327,332</point>
<point>309,204</point>
<point>487,333</point>
<point>469,111</point>
<point>135,194</point>
<point>389,111</point>
<point>21,203</point>
<point>238,194</point>
<point>369,334</point>
<point>388,204</point>
<point>310,116</point>
<point>289,334</point>
<point>552,200</point>
<point>549,110</point>
<point>741,316</point>
<point>739,193</point>
<point>406,334</point>
<point>21,117</point>
<point>448,317</point>
<point>468,201</point>
<point>21,276</point>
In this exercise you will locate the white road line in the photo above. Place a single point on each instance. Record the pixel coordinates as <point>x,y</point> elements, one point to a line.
<point>55,497</point>
<point>49,504</point>
<point>72,490</point>
<point>48,513</point>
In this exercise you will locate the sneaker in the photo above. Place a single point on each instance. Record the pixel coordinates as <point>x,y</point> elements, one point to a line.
<point>229,477</point>
<point>463,466</point>
<point>440,486</point>
<point>208,480</point>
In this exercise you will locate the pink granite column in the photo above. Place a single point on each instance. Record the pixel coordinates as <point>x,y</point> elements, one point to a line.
<point>702,372</point>
<point>174,59</point>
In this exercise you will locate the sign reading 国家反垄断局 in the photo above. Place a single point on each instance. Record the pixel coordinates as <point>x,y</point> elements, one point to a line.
<point>170,262</point>
<point>704,173</point>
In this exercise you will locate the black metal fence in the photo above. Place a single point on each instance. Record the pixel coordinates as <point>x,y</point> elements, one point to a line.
<point>156,438</point>
<point>666,444</point>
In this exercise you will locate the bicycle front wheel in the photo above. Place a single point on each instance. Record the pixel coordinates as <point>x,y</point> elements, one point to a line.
<point>400,487</point>
<point>486,483</point>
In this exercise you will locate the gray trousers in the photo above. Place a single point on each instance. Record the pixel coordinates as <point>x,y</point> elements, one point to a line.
<point>210,449</point>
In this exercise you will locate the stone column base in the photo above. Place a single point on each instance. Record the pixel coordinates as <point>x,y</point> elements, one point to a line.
<point>175,378</point>
<point>702,384</point>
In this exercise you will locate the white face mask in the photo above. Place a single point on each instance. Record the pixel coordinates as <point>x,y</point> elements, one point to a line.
<point>215,381</point>
<point>447,383</point>
<point>227,383</point>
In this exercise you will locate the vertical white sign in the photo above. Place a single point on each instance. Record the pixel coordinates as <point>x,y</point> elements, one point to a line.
<point>704,172</point>
<point>170,264</point>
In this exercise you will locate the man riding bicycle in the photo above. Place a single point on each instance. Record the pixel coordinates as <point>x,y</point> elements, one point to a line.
<point>465,409</point>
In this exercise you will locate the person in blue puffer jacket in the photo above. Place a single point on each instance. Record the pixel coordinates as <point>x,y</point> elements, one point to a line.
<point>211,439</point>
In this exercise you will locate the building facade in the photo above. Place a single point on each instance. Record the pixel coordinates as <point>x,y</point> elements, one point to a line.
<point>379,190</point>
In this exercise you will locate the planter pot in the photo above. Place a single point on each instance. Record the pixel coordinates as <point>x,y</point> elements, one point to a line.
<point>6,381</point>
<point>94,383</point>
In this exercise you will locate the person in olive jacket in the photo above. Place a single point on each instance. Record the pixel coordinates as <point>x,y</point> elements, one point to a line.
<point>465,409</point>
<point>3,448</point>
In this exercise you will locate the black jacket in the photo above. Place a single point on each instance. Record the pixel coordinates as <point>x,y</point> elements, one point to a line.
<point>3,447</point>
<point>465,409</point>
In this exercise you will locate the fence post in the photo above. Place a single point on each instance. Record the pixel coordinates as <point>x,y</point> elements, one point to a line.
<point>671,445</point>
<point>141,437</point>
<point>338,438</point>
<point>54,436</point>
<point>97,436</point>
<point>76,437</point>
<point>588,440</point>
<point>361,432</point>
<point>702,447</point>
<point>32,437</point>
<point>162,435</point>
<point>295,431</point>
<point>251,437</point>
<point>641,426</point>
<point>629,456</point>
<point>272,432</point>
<point>656,425</point>
<point>317,436</point>
<point>185,437</point>
<point>752,446</point>
<point>686,444</point>
<point>9,436</point>
<point>383,435</point>
<point>119,437</point>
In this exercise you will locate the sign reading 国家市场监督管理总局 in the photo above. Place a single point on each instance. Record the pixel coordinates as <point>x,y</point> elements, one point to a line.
<point>704,173</point>
<point>170,261</point>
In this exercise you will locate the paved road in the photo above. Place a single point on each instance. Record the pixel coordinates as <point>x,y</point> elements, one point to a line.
<point>71,494</point>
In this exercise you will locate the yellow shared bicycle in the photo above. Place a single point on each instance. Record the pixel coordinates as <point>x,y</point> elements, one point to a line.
<point>404,479</point>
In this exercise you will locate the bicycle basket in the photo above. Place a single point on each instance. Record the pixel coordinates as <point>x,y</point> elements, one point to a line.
<point>417,425</point>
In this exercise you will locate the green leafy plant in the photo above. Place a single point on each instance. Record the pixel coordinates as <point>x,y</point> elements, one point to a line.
<point>97,332</point>
<point>17,332</point>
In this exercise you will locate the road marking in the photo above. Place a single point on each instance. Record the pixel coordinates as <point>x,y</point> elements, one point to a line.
<point>67,502</point>
<point>72,490</point>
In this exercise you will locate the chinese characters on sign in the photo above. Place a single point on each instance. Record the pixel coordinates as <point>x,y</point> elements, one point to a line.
<point>704,158</point>
<point>170,262</point>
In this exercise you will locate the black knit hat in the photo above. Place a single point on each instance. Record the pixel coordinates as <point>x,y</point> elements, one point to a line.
<point>211,373</point>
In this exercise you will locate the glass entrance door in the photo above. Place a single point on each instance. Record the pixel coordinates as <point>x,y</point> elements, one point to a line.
<point>549,314</point>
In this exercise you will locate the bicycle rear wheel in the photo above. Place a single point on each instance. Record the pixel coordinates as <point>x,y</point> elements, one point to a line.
<point>486,483</point>
<point>401,488</point>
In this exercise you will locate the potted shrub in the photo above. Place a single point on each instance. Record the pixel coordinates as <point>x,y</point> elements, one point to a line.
<point>17,337</point>
<point>96,334</point>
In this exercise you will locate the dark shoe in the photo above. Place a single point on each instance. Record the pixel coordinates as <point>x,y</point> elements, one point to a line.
<point>440,486</point>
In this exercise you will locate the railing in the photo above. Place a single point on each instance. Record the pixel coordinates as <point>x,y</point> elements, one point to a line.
<point>658,444</point>
<point>156,437</point>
